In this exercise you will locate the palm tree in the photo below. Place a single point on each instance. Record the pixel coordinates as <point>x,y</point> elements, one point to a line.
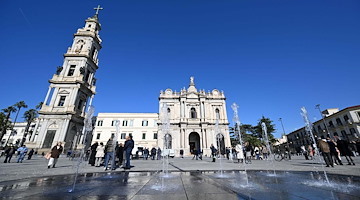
<point>39,106</point>
<point>29,116</point>
<point>19,105</point>
<point>8,111</point>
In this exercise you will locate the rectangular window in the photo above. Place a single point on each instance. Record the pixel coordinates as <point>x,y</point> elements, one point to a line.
<point>331,124</point>
<point>144,136</point>
<point>145,123</point>
<point>338,121</point>
<point>123,136</point>
<point>98,136</point>
<point>346,118</point>
<point>80,105</point>
<point>62,101</point>
<point>100,123</point>
<point>131,123</point>
<point>113,122</point>
<point>125,123</point>
<point>343,133</point>
<point>71,70</point>
<point>352,131</point>
<point>155,136</point>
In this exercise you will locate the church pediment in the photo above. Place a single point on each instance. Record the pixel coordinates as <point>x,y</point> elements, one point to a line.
<point>192,95</point>
<point>64,92</point>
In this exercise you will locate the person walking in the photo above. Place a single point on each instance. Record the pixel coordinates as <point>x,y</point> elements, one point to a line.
<point>128,147</point>
<point>9,152</point>
<point>120,154</point>
<point>265,152</point>
<point>248,150</point>
<point>153,153</point>
<point>304,152</point>
<point>30,154</point>
<point>93,153</point>
<point>181,153</point>
<point>100,153</point>
<point>325,150</point>
<point>343,147</point>
<point>109,155</point>
<point>196,154</point>
<point>55,154</point>
<point>257,153</point>
<point>22,153</point>
<point>213,152</point>
<point>333,151</point>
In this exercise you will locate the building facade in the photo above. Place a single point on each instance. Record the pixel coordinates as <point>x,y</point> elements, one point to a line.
<point>15,135</point>
<point>344,123</point>
<point>70,92</point>
<point>142,126</point>
<point>197,119</point>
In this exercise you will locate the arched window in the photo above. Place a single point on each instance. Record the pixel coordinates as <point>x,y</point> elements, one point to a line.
<point>217,113</point>
<point>193,113</point>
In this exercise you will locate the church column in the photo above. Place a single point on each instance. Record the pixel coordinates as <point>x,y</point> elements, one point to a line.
<point>47,95</point>
<point>181,138</point>
<point>206,143</point>
<point>35,131</point>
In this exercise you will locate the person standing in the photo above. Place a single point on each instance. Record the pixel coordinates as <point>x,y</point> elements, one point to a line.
<point>109,148</point>
<point>100,153</point>
<point>120,154</point>
<point>325,150</point>
<point>265,152</point>
<point>153,153</point>
<point>213,152</point>
<point>55,154</point>
<point>93,153</point>
<point>196,154</point>
<point>181,153</point>
<point>30,154</point>
<point>343,147</point>
<point>333,152</point>
<point>129,145</point>
<point>146,153</point>
<point>22,153</point>
<point>158,153</point>
<point>311,152</point>
<point>9,152</point>
<point>240,153</point>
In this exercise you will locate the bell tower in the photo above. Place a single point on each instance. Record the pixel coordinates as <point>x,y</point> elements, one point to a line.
<point>71,90</point>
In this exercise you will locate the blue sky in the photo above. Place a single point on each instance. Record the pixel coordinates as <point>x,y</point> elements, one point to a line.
<point>270,57</point>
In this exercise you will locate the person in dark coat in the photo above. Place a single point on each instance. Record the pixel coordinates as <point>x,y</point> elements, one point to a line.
<point>55,154</point>
<point>158,153</point>
<point>213,152</point>
<point>9,152</point>
<point>343,147</point>
<point>93,153</point>
<point>120,154</point>
<point>146,153</point>
<point>30,154</point>
<point>196,154</point>
<point>333,152</point>
<point>153,153</point>
<point>181,153</point>
<point>128,147</point>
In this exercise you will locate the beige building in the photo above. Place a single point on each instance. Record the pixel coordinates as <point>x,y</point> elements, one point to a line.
<point>17,134</point>
<point>344,123</point>
<point>142,126</point>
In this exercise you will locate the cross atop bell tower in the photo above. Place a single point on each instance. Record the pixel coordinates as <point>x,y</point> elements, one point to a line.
<point>97,9</point>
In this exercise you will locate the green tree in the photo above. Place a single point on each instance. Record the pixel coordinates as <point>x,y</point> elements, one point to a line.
<point>29,116</point>
<point>258,132</point>
<point>39,106</point>
<point>7,111</point>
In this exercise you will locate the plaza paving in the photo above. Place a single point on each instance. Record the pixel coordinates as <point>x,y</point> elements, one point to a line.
<point>189,179</point>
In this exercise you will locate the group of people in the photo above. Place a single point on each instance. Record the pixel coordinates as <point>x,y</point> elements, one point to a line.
<point>332,150</point>
<point>111,155</point>
<point>20,152</point>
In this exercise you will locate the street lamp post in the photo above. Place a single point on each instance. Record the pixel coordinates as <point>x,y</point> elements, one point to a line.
<point>287,142</point>
<point>322,116</point>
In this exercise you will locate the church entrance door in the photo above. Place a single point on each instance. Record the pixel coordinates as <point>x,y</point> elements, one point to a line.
<point>194,142</point>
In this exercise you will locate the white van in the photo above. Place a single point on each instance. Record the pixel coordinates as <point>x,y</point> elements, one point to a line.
<point>168,152</point>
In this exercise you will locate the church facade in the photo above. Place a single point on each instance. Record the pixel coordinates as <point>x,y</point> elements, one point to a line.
<point>197,119</point>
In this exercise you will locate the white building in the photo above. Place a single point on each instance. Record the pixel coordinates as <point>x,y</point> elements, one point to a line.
<point>344,123</point>
<point>142,126</point>
<point>15,135</point>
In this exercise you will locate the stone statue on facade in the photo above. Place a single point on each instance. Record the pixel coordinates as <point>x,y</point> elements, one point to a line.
<point>58,70</point>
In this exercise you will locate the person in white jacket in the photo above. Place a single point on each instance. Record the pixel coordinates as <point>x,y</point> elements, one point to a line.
<point>100,153</point>
<point>239,153</point>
